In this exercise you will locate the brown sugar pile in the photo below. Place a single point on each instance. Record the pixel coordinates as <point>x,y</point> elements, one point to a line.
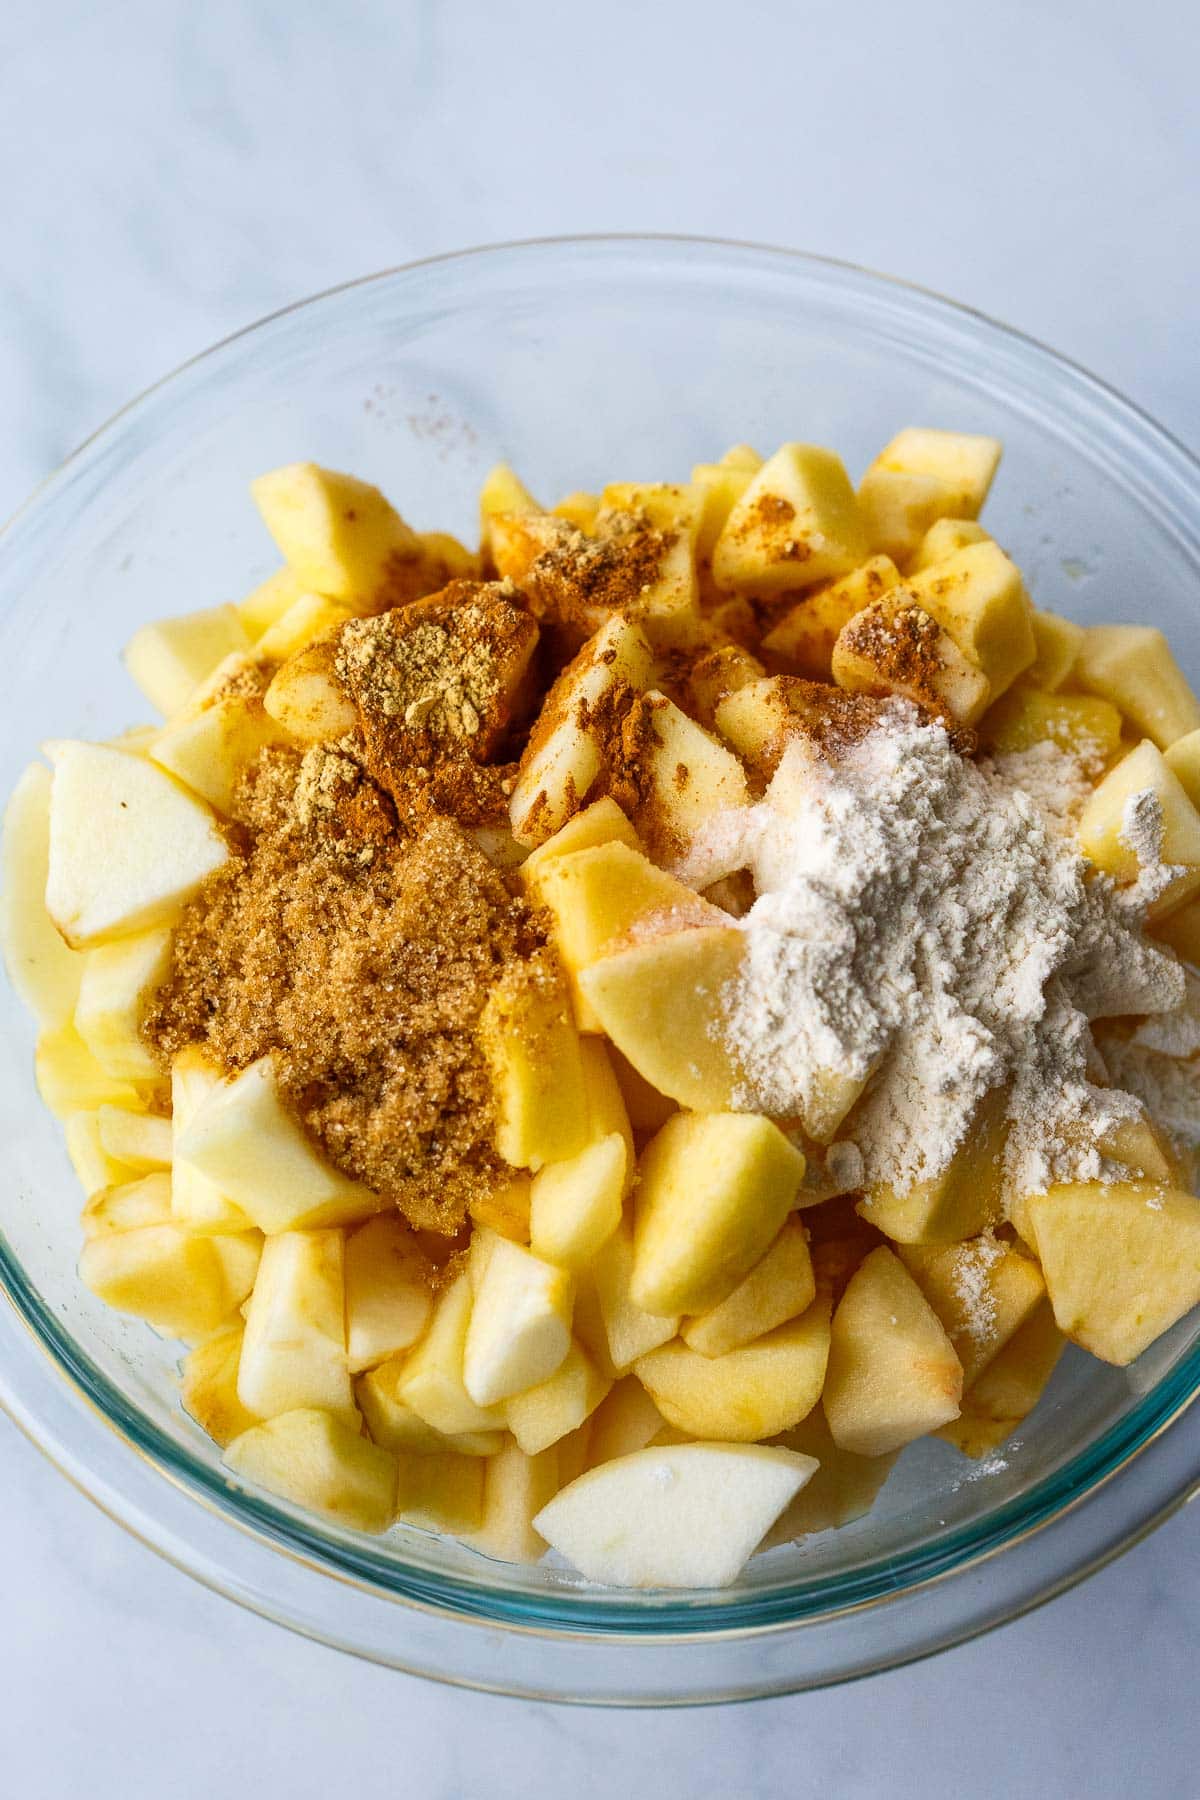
<point>359,951</point>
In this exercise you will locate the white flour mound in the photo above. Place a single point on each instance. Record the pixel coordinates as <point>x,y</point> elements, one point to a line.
<point>929,922</point>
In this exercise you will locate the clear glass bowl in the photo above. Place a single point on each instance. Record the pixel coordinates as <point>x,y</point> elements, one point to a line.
<point>579,361</point>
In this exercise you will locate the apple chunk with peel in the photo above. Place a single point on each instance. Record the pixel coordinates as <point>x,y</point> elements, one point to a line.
<point>713,1192</point>
<point>681,1516</point>
<point>893,1374</point>
<point>1121,1261</point>
<point>520,1326</point>
<point>318,1460</point>
<point>128,845</point>
<point>661,1003</point>
<point>339,534</point>
<point>118,981</point>
<point>244,1138</point>
<point>44,971</point>
<point>750,1393</point>
<point>182,1284</point>
<point>294,1353</point>
<point>389,1291</point>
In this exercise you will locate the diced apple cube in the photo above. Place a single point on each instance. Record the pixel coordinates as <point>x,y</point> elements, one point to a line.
<point>209,746</point>
<point>894,648</point>
<point>208,1386</point>
<point>307,699</point>
<point>502,492</point>
<point>796,525</point>
<point>962,1200</point>
<point>505,1208</point>
<point>170,658</point>
<point>720,486</point>
<point>843,1486</point>
<point>713,1192</point>
<point>981,1290</point>
<point>516,1487</point>
<point>182,1284</point>
<point>431,1381</point>
<point>1081,724</point>
<point>893,1374</point>
<point>578,508</point>
<point>70,1080</point>
<point>684,776</point>
<point>338,533</point>
<point>91,1162</point>
<point>389,1291</point>
<point>921,476</point>
<point>779,1287</point>
<point>719,673</point>
<point>1058,642</point>
<point>629,1331</point>
<point>196,1201</point>
<point>1121,1261</point>
<point>42,968</point>
<point>749,1393</point>
<point>1104,824</point>
<point>542,1415</point>
<point>442,1492</point>
<point>118,983</point>
<point>246,1141</point>
<point>575,1205</point>
<point>393,1423</point>
<point>805,635</point>
<point>626,1420</point>
<point>684,1516</point>
<point>1132,666</point>
<point>308,620</point>
<point>317,1460</point>
<point>139,1140</point>
<point>602,822</point>
<point>1010,1386</point>
<point>1183,760</point>
<point>978,598</point>
<point>294,1353</point>
<point>943,538</point>
<point>531,1049</point>
<point>128,844</point>
<point>269,601</point>
<point>128,1205</point>
<point>520,1326</point>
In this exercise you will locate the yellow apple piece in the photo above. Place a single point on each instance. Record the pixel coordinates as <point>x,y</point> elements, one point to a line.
<point>542,1415</point>
<point>679,1516</point>
<point>1104,825</point>
<point>943,538</point>
<point>578,508</point>
<point>393,1423</point>
<point>505,1208</point>
<point>308,620</point>
<point>244,1139</point>
<point>431,1381</point>
<point>1058,642</point>
<point>44,971</point>
<point>339,534</point>
<point>196,1201</point>
<point>893,1374</point>
<point>923,475</point>
<point>128,1205</point>
<point>662,1005</point>
<point>575,1205</point>
<point>117,985</point>
<point>389,1291</point>
<point>531,1049</point>
<point>754,1392</point>
<point>139,1140</point>
<point>1081,724</point>
<point>441,1492</point>
<point>713,1192</point>
<point>962,1200</point>
<point>805,635</point>
<point>520,1325</point>
<point>1183,759</point>
<point>685,776</point>
<point>978,598</point>
<point>91,1162</point>
<point>1180,931</point>
<point>719,673</point>
<point>982,1291</point>
<point>208,1386</point>
<point>502,492</point>
<point>666,606</point>
<point>1010,1386</point>
<point>317,1460</point>
<point>843,1486</point>
<point>647,1109</point>
<point>515,1489</point>
<point>720,486</point>
<point>1132,666</point>
<point>625,1420</point>
<point>602,822</point>
<point>294,1352</point>
<point>779,1287</point>
<point>1121,1261</point>
<point>796,525</point>
<point>128,844</point>
<point>268,602</point>
<point>70,1080</point>
<point>629,1331</point>
<point>895,647</point>
<point>306,698</point>
<point>170,658</point>
<point>210,746</point>
<point>182,1284</point>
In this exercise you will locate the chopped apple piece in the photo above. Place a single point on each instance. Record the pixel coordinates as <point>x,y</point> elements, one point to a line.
<point>308,620</point>
<point>1010,1387</point>
<point>182,1284</point>
<point>393,1423</point>
<point>922,476</point>
<point>626,1420</point>
<point>69,1078</point>
<point>982,1291</point>
<point>893,1374</point>
<point>141,1141</point>
<point>579,509</point>
<point>843,1486</point>
<point>575,1205</point>
<point>629,1331</point>
<point>520,1326</point>
<point>442,1492</point>
<point>944,537</point>
<point>898,648</point>
<point>95,1168</point>
<point>1058,642</point>
<point>515,1489</point>
<point>43,969</point>
<point>128,845</point>
<point>796,525</point>
<point>243,1138</point>
<point>502,492</point>
<point>648,1110</point>
<point>531,1049</point>
<point>316,1459</point>
<point>662,1005</point>
<point>683,1516</point>
<point>128,1205</point>
<point>779,1287</point>
<point>713,1192</point>
<point>542,1415</point>
<point>720,486</point>
<point>170,658</point>
<point>602,822</point>
<point>657,524</point>
<point>339,534</point>
<point>208,1386</point>
<point>1106,818</point>
<point>389,1291</point>
<point>196,1201</point>
<point>269,601</point>
<point>209,747</point>
<point>431,1381</point>
<point>685,776</point>
<point>117,985</point>
<point>959,1202</point>
<point>1121,1261</point>
<point>719,673</point>
<point>1132,666</point>
<point>754,1392</point>
<point>1183,760</point>
<point>564,758</point>
<point>978,598</point>
<point>805,636</point>
<point>506,1208</point>
<point>1081,724</point>
<point>294,1353</point>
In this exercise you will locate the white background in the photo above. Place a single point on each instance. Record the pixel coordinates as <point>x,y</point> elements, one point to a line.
<point>169,171</point>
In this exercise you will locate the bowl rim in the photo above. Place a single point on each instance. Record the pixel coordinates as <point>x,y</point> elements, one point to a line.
<point>567,1612</point>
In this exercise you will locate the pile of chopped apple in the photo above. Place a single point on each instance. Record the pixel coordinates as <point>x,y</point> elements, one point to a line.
<point>675,1337</point>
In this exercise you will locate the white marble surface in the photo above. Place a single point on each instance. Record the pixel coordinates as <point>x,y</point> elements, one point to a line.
<point>169,172</point>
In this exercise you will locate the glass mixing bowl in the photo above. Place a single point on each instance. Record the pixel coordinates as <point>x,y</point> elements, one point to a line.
<point>579,361</point>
